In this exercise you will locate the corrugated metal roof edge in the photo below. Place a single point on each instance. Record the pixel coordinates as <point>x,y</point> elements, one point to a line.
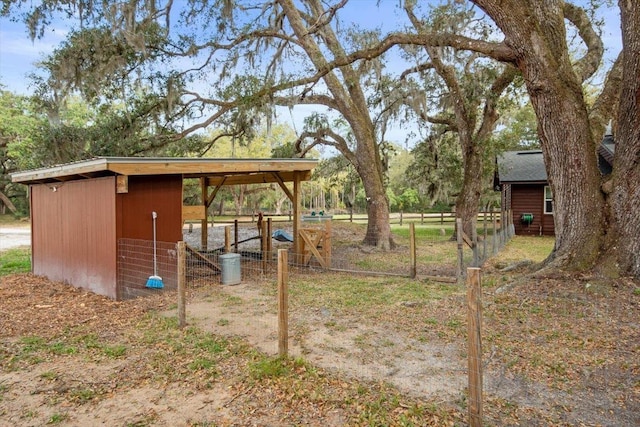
<point>100,164</point>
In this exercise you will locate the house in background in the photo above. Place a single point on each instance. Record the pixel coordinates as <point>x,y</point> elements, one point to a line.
<point>522,180</point>
<point>525,191</point>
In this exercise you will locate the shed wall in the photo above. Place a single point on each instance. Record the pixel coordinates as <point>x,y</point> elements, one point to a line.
<point>529,198</point>
<point>146,194</point>
<point>73,233</point>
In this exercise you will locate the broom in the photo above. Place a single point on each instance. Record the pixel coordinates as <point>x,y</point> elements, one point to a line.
<point>154,281</point>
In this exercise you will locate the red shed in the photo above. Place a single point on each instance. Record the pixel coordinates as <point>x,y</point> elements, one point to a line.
<point>80,211</point>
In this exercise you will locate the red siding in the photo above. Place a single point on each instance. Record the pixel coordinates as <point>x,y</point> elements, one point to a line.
<point>162,194</point>
<point>146,194</point>
<point>530,199</point>
<point>73,233</point>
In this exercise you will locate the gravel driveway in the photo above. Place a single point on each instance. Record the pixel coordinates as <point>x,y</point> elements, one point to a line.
<point>14,237</point>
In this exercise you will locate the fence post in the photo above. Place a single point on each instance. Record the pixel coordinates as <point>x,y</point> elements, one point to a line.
<point>512,228</point>
<point>264,237</point>
<point>269,232</point>
<point>474,321</point>
<point>227,239</point>
<point>460,252</point>
<point>484,231</point>
<point>400,217</point>
<point>235,235</point>
<point>182,284</point>
<point>412,249</point>
<point>283,303</point>
<point>474,242</point>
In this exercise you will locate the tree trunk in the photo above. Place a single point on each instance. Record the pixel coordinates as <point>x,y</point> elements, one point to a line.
<point>625,198</point>
<point>468,200</point>
<point>537,36</point>
<point>378,228</point>
<point>369,168</point>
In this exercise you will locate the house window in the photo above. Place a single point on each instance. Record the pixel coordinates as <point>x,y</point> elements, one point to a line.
<point>548,200</point>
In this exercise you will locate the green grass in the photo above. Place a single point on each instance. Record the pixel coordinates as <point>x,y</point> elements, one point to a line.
<point>341,292</point>
<point>534,248</point>
<point>13,221</point>
<point>424,231</point>
<point>15,261</point>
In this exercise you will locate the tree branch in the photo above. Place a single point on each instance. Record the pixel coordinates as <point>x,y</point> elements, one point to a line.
<point>586,66</point>
<point>606,105</point>
<point>417,69</point>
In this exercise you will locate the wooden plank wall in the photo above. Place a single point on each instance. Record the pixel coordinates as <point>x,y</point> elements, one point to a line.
<point>530,199</point>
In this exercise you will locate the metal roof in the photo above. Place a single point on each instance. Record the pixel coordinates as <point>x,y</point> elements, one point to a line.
<point>220,171</point>
<point>522,166</point>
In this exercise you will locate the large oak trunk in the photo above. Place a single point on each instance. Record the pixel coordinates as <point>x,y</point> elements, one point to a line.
<point>370,170</point>
<point>624,247</point>
<point>468,200</point>
<point>537,36</point>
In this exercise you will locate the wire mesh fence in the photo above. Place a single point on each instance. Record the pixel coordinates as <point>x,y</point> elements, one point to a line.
<point>494,348</point>
<point>135,266</point>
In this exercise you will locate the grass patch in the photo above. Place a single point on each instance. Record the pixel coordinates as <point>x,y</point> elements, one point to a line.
<point>534,248</point>
<point>57,419</point>
<point>269,367</point>
<point>15,261</point>
<point>347,292</point>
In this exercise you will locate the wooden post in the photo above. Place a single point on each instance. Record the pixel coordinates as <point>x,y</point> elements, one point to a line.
<point>297,212</point>
<point>182,284</point>
<point>235,235</point>
<point>484,241</point>
<point>494,240</point>
<point>422,218</point>
<point>512,228</point>
<point>460,264</point>
<point>227,239</point>
<point>412,249</point>
<point>264,236</point>
<point>283,303</point>
<point>204,226</point>
<point>503,215</point>
<point>474,244</point>
<point>269,234</point>
<point>400,217</point>
<point>328,230</point>
<point>474,321</point>
<point>441,218</point>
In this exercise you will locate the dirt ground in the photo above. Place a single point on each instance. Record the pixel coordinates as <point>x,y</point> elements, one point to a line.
<point>557,351</point>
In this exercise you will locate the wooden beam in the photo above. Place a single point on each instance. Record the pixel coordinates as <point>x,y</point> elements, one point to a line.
<point>296,217</point>
<point>214,193</point>
<point>283,186</point>
<point>190,167</point>
<point>193,212</point>
<point>204,227</point>
<point>212,265</point>
<point>122,184</point>
<point>255,178</point>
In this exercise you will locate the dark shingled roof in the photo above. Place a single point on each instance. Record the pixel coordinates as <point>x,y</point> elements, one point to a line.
<point>521,166</point>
